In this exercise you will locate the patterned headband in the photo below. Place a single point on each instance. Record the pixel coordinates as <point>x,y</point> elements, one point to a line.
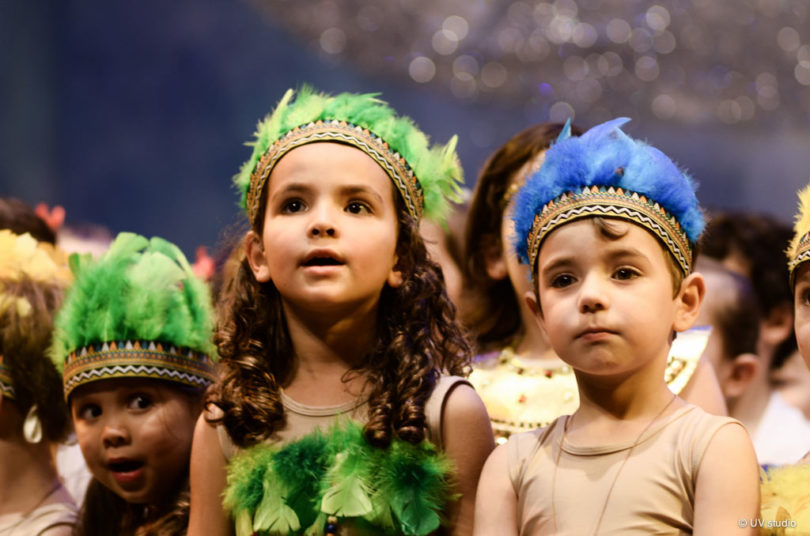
<point>799,250</point>
<point>427,177</point>
<point>6,387</point>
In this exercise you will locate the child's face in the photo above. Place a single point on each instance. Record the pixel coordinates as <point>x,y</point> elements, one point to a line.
<point>135,436</point>
<point>801,309</point>
<point>330,229</point>
<point>607,304</point>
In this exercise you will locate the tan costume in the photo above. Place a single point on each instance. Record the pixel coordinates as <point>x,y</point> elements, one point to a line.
<point>654,493</point>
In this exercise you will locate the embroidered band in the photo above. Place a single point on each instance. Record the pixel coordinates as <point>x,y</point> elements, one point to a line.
<point>6,388</point>
<point>339,131</point>
<point>611,203</point>
<point>137,359</point>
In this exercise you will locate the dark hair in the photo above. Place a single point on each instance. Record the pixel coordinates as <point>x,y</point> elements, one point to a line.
<point>761,241</point>
<point>104,512</point>
<point>417,339</point>
<point>24,342</point>
<point>19,218</point>
<point>737,317</point>
<point>492,312</point>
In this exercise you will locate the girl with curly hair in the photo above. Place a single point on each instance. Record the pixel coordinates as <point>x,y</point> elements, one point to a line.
<point>134,339</point>
<point>339,409</point>
<point>33,416</point>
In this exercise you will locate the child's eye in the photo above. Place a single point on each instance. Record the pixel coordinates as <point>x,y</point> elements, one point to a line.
<point>805,296</point>
<point>358,207</point>
<point>625,273</point>
<point>139,401</point>
<point>88,412</point>
<point>562,280</point>
<point>291,206</point>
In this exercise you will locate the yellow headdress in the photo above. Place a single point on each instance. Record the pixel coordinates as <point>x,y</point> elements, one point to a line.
<point>799,250</point>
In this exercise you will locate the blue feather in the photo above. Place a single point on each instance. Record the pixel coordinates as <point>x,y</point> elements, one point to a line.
<point>605,156</point>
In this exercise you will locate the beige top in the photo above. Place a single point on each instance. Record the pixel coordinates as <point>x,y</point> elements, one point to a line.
<point>302,419</point>
<point>521,395</point>
<point>56,516</point>
<point>654,493</point>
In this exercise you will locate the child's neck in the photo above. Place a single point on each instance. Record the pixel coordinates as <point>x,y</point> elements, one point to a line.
<point>615,410</point>
<point>27,474</point>
<point>325,350</point>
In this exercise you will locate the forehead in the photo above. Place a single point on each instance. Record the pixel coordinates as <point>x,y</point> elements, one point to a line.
<point>325,162</point>
<point>587,236</point>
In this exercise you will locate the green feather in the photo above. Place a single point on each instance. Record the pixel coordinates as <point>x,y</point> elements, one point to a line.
<point>244,524</point>
<point>437,168</point>
<point>272,514</point>
<point>139,290</point>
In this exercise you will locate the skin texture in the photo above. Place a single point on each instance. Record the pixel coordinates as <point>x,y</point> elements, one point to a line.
<point>609,310</point>
<point>141,420</point>
<point>801,309</point>
<point>332,200</point>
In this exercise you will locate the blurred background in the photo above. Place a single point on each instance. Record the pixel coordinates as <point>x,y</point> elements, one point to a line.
<point>133,115</point>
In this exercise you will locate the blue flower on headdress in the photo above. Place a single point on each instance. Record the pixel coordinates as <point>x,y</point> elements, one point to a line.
<point>606,156</point>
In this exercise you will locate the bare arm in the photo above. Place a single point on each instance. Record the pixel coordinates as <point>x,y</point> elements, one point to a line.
<point>467,439</point>
<point>703,390</point>
<point>727,488</point>
<point>496,504</point>
<point>208,479</point>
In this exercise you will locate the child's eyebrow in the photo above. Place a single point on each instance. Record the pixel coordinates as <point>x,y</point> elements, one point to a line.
<point>624,252</point>
<point>361,189</point>
<point>293,187</point>
<point>556,263</point>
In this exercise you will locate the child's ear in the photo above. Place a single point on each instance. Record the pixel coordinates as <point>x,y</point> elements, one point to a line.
<point>254,251</point>
<point>738,374</point>
<point>494,262</point>
<point>534,307</point>
<point>395,277</point>
<point>777,325</point>
<point>688,300</point>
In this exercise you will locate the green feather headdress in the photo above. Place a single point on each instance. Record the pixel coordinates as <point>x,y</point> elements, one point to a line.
<point>799,250</point>
<point>139,312</point>
<point>425,176</point>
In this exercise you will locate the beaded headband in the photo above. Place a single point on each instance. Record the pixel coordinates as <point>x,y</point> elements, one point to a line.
<point>799,250</point>
<point>6,387</point>
<point>426,177</point>
<point>138,312</point>
<point>606,173</point>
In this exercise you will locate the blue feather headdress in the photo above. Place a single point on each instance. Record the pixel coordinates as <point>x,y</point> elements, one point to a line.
<point>606,173</point>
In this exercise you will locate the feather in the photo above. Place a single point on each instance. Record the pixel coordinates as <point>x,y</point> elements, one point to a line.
<point>437,168</point>
<point>786,499</point>
<point>802,222</point>
<point>605,156</point>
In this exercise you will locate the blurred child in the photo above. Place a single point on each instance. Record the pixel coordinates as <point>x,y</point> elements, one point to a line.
<point>339,349</point>
<point>752,245</point>
<point>33,415</point>
<point>730,308</point>
<point>522,382</point>
<point>134,338</point>
<point>608,226</point>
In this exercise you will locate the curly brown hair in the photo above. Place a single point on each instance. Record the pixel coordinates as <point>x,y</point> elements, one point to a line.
<point>492,312</point>
<point>24,342</point>
<point>417,340</point>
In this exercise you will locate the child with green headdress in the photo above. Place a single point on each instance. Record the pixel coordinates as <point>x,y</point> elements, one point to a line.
<point>33,416</point>
<point>340,409</point>
<point>133,338</point>
<point>608,226</point>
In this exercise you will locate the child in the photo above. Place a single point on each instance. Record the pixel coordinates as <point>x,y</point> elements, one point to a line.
<point>134,337</point>
<point>608,227</point>
<point>337,317</point>
<point>730,308</point>
<point>523,384</point>
<point>33,416</point>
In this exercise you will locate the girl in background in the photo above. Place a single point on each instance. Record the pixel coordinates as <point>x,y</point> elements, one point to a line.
<point>134,340</point>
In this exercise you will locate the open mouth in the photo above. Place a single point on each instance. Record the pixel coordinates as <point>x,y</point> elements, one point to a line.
<point>126,466</point>
<point>323,261</point>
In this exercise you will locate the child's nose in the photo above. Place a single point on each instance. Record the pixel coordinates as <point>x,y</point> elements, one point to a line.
<point>323,222</point>
<point>114,434</point>
<point>592,295</point>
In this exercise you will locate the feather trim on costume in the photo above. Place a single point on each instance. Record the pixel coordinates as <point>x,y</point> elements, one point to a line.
<point>294,489</point>
<point>785,509</point>
<point>799,250</point>
<point>437,169</point>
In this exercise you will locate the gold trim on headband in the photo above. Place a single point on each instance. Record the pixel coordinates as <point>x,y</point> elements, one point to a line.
<point>340,131</point>
<point>802,256</point>
<point>137,359</point>
<point>611,203</point>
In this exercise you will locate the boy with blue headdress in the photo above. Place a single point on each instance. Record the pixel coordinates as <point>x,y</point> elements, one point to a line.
<point>609,227</point>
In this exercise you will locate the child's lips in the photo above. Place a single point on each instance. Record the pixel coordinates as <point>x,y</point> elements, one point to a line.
<point>125,470</point>
<point>595,334</point>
